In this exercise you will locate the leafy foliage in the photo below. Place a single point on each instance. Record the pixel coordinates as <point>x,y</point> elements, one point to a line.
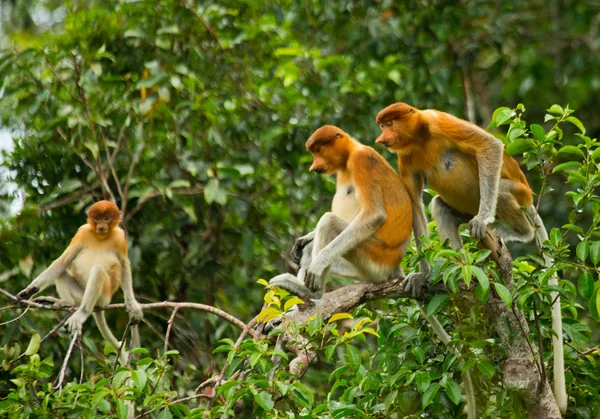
<point>193,116</point>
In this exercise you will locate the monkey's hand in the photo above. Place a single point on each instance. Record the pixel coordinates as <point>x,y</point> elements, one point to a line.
<point>135,312</point>
<point>416,283</point>
<point>477,227</point>
<point>27,292</point>
<point>314,275</point>
<point>299,246</point>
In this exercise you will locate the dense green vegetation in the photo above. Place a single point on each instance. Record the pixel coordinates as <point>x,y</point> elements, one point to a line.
<point>194,117</point>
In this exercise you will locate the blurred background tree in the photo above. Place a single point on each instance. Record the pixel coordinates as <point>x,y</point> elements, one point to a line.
<point>193,116</point>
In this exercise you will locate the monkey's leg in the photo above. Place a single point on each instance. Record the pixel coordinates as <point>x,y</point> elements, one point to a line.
<point>93,292</point>
<point>448,221</point>
<point>515,223</point>
<point>295,285</point>
<point>328,228</point>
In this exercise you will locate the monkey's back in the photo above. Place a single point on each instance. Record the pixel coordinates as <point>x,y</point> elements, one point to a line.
<point>392,237</point>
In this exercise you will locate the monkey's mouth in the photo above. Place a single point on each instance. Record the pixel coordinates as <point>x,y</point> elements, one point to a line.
<point>321,170</point>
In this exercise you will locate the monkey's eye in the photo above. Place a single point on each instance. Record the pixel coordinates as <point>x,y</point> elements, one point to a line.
<point>97,219</point>
<point>106,218</point>
<point>388,123</point>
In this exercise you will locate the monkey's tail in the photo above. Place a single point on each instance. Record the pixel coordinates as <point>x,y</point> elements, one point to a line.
<point>107,334</point>
<point>560,391</point>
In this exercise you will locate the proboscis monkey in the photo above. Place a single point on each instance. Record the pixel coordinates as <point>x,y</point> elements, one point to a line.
<point>89,272</point>
<point>368,229</point>
<point>477,182</point>
<point>366,234</point>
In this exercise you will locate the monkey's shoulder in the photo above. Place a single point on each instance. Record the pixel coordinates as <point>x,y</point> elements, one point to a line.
<point>367,159</point>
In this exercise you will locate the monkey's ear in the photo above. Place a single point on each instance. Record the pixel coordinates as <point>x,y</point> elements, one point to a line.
<point>338,135</point>
<point>410,110</point>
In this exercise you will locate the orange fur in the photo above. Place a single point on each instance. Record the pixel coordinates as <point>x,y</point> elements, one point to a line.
<point>420,138</point>
<point>376,184</point>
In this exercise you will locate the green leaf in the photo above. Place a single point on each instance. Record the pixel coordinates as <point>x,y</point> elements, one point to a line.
<point>555,237</point>
<point>571,149</point>
<point>503,293</point>
<point>165,414</point>
<point>481,277</point>
<point>482,294</point>
<point>577,123</point>
<point>501,116</point>
<point>214,193</point>
<point>353,356</point>
<point>585,285</point>
<point>538,132</point>
<point>595,252</point>
<point>567,165</point>
<point>556,109</point>
<point>467,274</point>
<point>395,76</point>
<point>594,305</point>
<point>122,409</point>
<point>596,153</point>
<point>151,81</point>
<point>34,345</point>
<point>264,400</point>
<point>436,303</point>
<point>422,380</point>
<point>453,392</point>
<point>139,379</point>
<point>486,368</point>
<point>430,394</point>
<point>519,146</point>
<point>582,250</point>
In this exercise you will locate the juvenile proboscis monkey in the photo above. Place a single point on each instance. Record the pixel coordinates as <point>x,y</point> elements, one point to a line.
<point>368,229</point>
<point>476,182</point>
<point>89,272</point>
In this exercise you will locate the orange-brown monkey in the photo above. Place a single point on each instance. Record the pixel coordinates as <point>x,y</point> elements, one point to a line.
<point>368,229</point>
<point>476,182</point>
<point>89,272</point>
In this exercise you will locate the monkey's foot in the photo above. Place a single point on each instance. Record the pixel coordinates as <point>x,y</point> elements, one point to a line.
<point>293,285</point>
<point>477,228</point>
<point>27,292</point>
<point>135,313</point>
<point>416,284</point>
<point>51,301</point>
<point>75,323</point>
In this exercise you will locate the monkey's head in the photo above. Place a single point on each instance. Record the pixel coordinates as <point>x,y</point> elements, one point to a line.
<point>103,216</point>
<point>329,147</point>
<point>400,124</point>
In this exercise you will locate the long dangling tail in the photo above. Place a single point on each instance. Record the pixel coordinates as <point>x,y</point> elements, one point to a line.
<point>560,391</point>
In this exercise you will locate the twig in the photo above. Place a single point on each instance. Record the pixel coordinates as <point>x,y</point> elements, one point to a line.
<point>120,348</point>
<point>16,318</point>
<point>165,304</point>
<point>583,353</point>
<point>169,326</point>
<point>63,369</point>
<point>82,374</point>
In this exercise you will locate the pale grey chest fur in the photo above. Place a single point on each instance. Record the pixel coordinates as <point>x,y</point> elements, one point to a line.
<point>345,202</point>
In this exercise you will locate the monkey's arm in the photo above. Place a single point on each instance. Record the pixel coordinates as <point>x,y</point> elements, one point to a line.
<point>132,306</point>
<point>363,226</point>
<point>415,281</point>
<point>488,152</point>
<point>56,268</point>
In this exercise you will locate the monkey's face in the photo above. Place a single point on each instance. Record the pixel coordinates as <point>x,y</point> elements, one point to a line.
<point>103,216</point>
<point>398,123</point>
<point>103,224</point>
<point>328,146</point>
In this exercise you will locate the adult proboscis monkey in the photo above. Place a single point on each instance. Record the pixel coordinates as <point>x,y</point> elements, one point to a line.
<point>477,182</point>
